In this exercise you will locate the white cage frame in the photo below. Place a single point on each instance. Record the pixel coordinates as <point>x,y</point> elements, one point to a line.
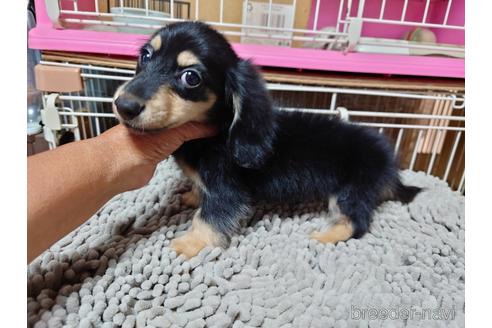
<point>97,76</point>
<point>346,35</point>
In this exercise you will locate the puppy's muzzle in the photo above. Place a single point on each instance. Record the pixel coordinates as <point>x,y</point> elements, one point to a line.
<point>128,106</point>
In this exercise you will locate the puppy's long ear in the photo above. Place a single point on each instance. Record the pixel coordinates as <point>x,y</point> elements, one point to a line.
<point>252,132</point>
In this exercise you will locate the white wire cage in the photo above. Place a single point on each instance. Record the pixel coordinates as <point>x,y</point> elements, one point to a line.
<point>351,25</point>
<point>427,128</point>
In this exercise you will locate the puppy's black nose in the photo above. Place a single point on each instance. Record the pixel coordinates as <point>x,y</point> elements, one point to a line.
<point>128,107</point>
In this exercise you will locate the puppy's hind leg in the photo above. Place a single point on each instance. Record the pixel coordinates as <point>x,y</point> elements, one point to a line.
<point>340,231</point>
<point>351,220</point>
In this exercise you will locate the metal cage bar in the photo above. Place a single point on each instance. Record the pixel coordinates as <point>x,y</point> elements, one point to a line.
<point>451,156</point>
<point>446,15</point>
<point>461,187</point>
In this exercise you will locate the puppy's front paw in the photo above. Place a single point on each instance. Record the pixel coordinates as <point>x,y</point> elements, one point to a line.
<point>188,245</point>
<point>200,235</point>
<point>190,199</point>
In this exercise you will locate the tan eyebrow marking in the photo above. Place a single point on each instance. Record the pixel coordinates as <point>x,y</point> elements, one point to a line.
<point>187,58</point>
<point>156,42</point>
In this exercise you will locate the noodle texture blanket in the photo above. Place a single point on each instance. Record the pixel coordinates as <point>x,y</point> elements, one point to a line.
<point>117,270</point>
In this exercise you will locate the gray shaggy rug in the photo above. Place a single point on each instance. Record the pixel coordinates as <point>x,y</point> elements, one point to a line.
<point>118,271</point>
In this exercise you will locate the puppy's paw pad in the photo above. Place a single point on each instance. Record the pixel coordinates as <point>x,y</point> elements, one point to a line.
<point>190,199</point>
<point>187,245</point>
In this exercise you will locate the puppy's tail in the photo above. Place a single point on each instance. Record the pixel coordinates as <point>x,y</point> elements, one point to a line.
<point>402,193</point>
<point>406,194</point>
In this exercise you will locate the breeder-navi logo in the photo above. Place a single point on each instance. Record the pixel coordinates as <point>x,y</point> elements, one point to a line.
<point>401,313</point>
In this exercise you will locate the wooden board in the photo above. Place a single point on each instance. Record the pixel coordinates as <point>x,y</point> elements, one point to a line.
<point>364,81</point>
<point>77,58</point>
<point>295,77</point>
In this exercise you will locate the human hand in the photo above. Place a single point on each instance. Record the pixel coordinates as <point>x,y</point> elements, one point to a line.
<point>139,154</point>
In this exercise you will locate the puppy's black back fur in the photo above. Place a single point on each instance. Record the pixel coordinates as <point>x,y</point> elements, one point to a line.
<point>313,157</point>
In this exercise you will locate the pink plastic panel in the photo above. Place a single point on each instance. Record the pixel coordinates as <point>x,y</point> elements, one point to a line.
<point>108,43</point>
<point>128,45</point>
<point>352,62</point>
<point>328,12</point>
<point>81,5</point>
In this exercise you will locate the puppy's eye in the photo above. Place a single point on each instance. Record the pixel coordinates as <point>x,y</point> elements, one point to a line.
<point>145,55</point>
<point>191,78</point>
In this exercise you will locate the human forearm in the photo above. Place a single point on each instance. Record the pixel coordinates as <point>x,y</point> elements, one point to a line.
<point>69,184</point>
<point>66,186</point>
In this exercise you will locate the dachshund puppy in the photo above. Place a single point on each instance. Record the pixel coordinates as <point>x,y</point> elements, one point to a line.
<point>189,72</point>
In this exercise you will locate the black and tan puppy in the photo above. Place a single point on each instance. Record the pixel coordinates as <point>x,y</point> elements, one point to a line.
<point>189,72</point>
